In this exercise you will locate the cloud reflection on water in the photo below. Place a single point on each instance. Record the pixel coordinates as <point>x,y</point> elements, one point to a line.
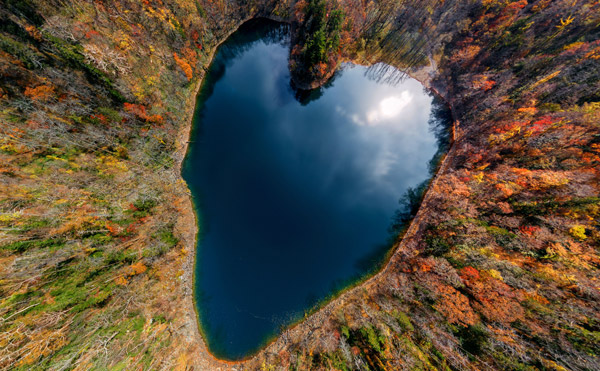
<point>293,194</point>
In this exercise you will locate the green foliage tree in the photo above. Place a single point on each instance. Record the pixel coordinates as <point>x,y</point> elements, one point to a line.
<point>322,32</point>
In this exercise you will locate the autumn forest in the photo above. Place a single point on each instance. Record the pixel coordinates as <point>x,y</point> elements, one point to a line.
<point>497,267</point>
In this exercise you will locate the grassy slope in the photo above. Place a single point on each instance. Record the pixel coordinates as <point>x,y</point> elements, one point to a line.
<point>501,267</point>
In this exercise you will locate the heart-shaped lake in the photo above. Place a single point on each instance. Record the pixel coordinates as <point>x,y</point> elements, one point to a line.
<point>294,192</point>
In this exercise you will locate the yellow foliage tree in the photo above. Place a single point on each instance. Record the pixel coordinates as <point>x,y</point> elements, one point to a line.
<point>578,231</point>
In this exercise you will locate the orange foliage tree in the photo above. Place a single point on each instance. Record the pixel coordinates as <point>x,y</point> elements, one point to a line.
<point>40,93</point>
<point>184,65</point>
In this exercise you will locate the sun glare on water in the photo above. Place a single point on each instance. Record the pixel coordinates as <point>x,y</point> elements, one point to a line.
<point>389,107</point>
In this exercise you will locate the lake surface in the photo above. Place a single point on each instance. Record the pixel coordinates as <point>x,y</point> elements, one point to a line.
<point>294,191</point>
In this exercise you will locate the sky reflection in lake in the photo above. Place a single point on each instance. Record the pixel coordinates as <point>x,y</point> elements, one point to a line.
<point>293,198</point>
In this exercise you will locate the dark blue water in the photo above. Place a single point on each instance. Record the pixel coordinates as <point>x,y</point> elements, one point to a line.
<point>294,191</point>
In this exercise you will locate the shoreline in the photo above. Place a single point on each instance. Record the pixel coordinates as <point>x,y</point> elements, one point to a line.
<point>187,225</point>
<point>187,222</point>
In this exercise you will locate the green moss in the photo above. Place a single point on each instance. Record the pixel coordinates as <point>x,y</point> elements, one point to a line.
<point>138,323</point>
<point>22,246</point>
<point>31,224</point>
<point>95,300</point>
<point>20,297</point>
<point>118,256</point>
<point>512,363</point>
<point>133,324</point>
<point>143,207</point>
<point>403,320</point>
<point>67,296</point>
<point>100,239</point>
<point>120,366</point>
<point>75,291</point>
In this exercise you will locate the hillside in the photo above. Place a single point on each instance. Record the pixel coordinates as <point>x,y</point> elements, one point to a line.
<point>498,270</point>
